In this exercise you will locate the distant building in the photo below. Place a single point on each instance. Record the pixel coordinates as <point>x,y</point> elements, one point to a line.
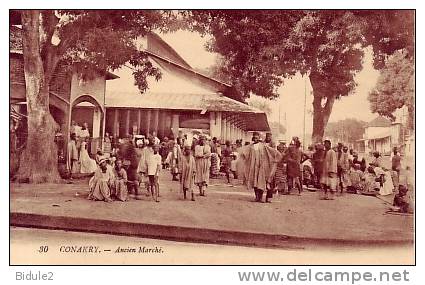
<point>381,135</point>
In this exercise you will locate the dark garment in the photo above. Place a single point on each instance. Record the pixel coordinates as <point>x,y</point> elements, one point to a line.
<point>396,162</point>
<point>362,163</point>
<point>226,158</point>
<point>317,161</point>
<point>293,159</point>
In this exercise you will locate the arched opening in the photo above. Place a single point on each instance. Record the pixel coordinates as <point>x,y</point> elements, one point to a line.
<point>87,110</point>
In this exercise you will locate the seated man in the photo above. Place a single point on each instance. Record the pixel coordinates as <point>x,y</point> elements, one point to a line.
<point>356,178</point>
<point>102,182</point>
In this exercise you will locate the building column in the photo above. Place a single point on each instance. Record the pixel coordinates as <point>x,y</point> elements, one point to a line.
<point>127,123</point>
<point>139,119</point>
<point>218,123</point>
<point>215,124</point>
<point>227,130</point>
<point>212,124</point>
<point>155,121</point>
<point>97,117</point>
<point>175,125</point>
<point>148,122</point>
<point>161,131</point>
<point>115,127</point>
<point>232,132</point>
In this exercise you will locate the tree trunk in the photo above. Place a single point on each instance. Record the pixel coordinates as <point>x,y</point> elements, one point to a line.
<point>321,113</point>
<point>38,162</point>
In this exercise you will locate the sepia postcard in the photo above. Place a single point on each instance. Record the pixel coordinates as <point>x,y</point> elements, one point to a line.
<point>212,137</point>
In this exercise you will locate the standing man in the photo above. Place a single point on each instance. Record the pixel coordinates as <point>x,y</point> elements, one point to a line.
<point>261,161</point>
<point>72,154</point>
<point>269,140</point>
<point>396,167</point>
<point>329,176</point>
<point>294,157</point>
<point>343,168</point>
<point>202,160</point>
<point>318,157</point>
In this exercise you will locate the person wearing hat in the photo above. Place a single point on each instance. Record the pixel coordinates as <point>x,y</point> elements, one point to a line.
<point>261,162</point>
<point>202,153</point>
<point>101,183</point>
<point>330,168</point>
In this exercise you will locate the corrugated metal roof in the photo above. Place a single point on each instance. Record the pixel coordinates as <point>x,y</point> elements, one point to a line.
<point>253,118</point>
<point>176,101</point>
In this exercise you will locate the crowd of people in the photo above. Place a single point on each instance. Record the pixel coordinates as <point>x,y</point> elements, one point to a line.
<point>122,170</point>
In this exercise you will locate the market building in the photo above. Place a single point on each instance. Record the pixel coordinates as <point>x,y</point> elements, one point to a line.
<point>182,100</point>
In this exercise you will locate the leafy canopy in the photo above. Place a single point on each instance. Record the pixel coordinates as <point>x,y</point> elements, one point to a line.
<point>261,48</point>
<point>395,87</point>
<point>93,41</point>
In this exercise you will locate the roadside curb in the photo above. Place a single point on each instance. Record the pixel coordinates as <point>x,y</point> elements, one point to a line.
<point>184,234</point>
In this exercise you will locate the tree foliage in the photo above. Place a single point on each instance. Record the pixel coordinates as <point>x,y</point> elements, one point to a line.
<point>262,48</point>
<point>262,105</point>
<point>395,87</point>
<point>347,130</point>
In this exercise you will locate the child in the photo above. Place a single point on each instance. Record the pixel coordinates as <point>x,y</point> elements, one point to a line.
<point>154,164</point>
<point>233,165</point>
<point>187,169</point>
<point>120,187</point>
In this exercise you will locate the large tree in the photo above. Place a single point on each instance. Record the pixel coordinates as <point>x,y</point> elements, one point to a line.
<point>262,48</point>
<point>89,41</point>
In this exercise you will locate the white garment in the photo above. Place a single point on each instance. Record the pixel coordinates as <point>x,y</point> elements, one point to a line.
<point>153,162</point>
<point>84,133</point>
<point>156,140</point>
<point>388,187</point>
<point>88,165</point>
